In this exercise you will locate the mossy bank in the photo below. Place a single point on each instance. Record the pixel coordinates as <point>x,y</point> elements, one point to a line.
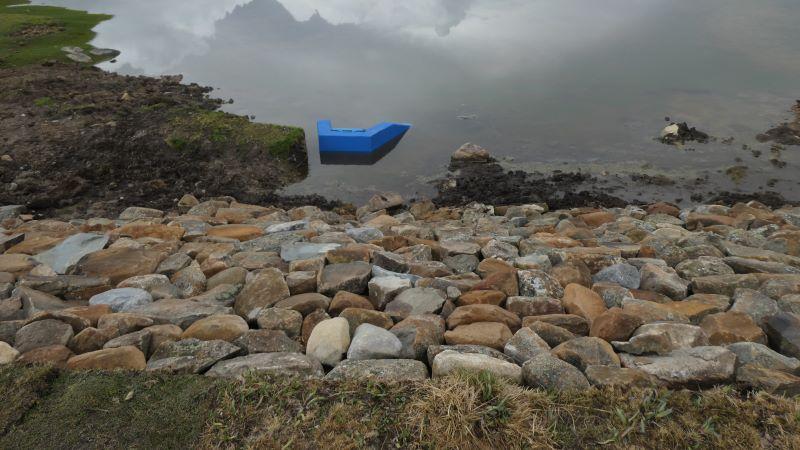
<point>75,138</point>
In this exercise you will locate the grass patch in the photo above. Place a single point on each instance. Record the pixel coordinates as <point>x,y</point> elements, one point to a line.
<point>192,131</point>
<point>34,34</point>
<point>125,410</point>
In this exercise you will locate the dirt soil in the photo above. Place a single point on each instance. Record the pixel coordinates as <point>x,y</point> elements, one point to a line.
<point>77,139</point>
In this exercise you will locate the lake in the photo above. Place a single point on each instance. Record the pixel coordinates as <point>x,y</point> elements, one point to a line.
<point>543,83</point>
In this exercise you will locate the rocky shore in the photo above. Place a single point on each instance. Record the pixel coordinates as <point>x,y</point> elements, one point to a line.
<point>561,299</point>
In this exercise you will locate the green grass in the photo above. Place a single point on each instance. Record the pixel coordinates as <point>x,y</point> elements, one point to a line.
<point>46,408</point>
<point>34,34</point>
<point>190,130</point>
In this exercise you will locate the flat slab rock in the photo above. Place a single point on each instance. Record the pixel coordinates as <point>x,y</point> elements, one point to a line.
<point>190,356</point>
<point>698,366</point>
<point>283,364</point>
<point>386,370</point>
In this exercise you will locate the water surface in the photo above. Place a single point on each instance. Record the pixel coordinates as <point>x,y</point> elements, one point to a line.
<point>548,83</point>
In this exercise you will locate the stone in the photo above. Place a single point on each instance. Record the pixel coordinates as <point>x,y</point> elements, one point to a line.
<point>730,327</point>
<point>173,263</point>
<point>157,285</point>
<point>120,263</point>
<point>380,370</point>
<point>546,372</point>
<point>612,294</point>
<point>533,306</point>
<point>7,353</point>
<point>267,341</point>
<point>90,339</point>
<point>551,334</point>
<point>301,282</point>
<point>615,325</point>
<point>329,341</point>
<point>42,333</point>
<point>371,342</point>
<point>350,277</point>
<point>724,284</point>
<point>190,281</point>
<point>239,232</point>
<point>535,283</point>
<point>357,316</point>
<point>488,297</point>
<point>504,281</point>
<point>624,275</point>
<point>225,327</point>
<point>141,339</point>
<point>619,377</point>
<point>415,301</point>
<point>54,355</point>
<point>664,281</point>
<point>689,367</point>
<point>663,338</point>
<point>123,299</point>
<point>434,350</point>
<point>768,380</point>
<point>582,352</point>
<point>77,323</point>
<point>703,266</point>
<point>364,234</point>
<point>123,323</point>
<point>65,256</point>
<point>790,303</point>
<point>390,261</point>
<point>179,312</point>
<point>343,300</point>
<point>533,262</point>
<point>277,364</point>
<point>471,153</point>
<point>236,276</point>
<point>698,306</point>
<point>286,226</point>
<point>448,362</point>
<point>649,312</point>
<point>499,250</point>
<point>137,212</point>
<point>465,315</point>
<point>382,290</point>
<point>583,302</point>
<point>17,264</point>
<point>263,291</point>
<point>489,334</point>
<point>755,304</point>
<point>311,321</point>
<point>461,263</point>
<point>572,323</point>
<point>524,345</point>
<point>305,304</point>
<point>295,251</point>
<point>124,358</point>
<point>783,330</point>
<point>763,356</point>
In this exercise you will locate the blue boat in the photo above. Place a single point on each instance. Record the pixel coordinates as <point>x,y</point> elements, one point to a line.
<point>358,140</point>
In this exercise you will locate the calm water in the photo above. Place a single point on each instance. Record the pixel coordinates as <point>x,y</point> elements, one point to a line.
<point>549,83</point>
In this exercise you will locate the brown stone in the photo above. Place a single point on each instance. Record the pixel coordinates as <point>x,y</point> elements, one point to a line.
<point>583,352</point>
<point>729,327</point>
<point>56,355</point>
<point>343,300</point>
<point>464,315</point>
<point>595,219</point>
<point>123,323</point>
<point>17,264</point>
<point>311,321</point>
<point>504,281</point>
<point>583,302</point>
<point>305,303</point>
<point>118,264</point>
<point>264,290</point>
<point>226,327</point>
<point>138,230</point>
<point>349,253</point>
<point>357,316</point>
<point>163,333</point>
<point>125,358</point>
<point>614,325</point>
<point>488,297</point>
<point>489,334</point>
<point>238,232</point>
<point>90,339</point>
<point>570,322</point>
<point>93,313</point>
<point>491,265</point>
<point>36,244</point>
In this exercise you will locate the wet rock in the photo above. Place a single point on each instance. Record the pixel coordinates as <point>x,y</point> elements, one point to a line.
<point>350,277</point>
<point>42,333</point>
<point>415,301</point>
<point>489,334</point>
<point>371,342</point>
<point>329,341</point>
<point>65,256</point>
<point>763,356</point>
<point>547,372</point>
<point>277,364</point>
<point>124,358</point>
<point>381,370</point>
<point>524,345</point>
<point>730,327</point>
<point>448,362</point>
<point>123,299</point>
<point>624,275</point>
<point>265,290</point>
<point>693,367</point>
<point>619,377</point>
<point>663,338</point>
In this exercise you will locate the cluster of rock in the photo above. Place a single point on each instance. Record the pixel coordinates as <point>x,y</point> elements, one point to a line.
<point>634,296</point>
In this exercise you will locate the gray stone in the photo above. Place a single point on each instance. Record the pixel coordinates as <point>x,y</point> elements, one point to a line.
<point>783,330</point>
<point>305,250</point>
<point>390,261</point>
<point>448,362</point>
<point>663,338</point>
<point>624,275</point>
<point>583,352</point>
<point>416,301</point>
<point>267,341</point>
<point>664,281</point>
<point>190,281</point>
<point>157,285</point>
<point>264,290</point>
<point>287,226</point>
<point>462,263</point>
<point>7,353</point>
<point>619,377</point>
<point>137,212</point>
<point>42,333</point>
<point>378,272</point>
<point>382,370</point>
<point>761,355</point>
<point>65,256</point>
<point>174,263</point>
<point>140,339</point>
<point>365,234</point>
<point>222,295</point>
<point>533,262</point>
<point>499,250</point>
<point>279,364</point>
<point>351,277</point>
<point>434,350</point>
<point>692,367</point>
<point>755,304</point>
<point>383,290</point>
<point>550,373</point>
<point>552,334</point>
<point>329,341</point>
<point>455,247</point>
<point>286,320</point>
<point>790,303</point>
<point>536,283</point>
<point>525,345</point>
<point>703,266</point>
<point>11,211</point>
<point>179,312</point>
<point>371,342</point>
<point>123,299</point>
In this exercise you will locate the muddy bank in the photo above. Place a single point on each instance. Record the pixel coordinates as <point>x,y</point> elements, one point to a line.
<point>75,138</point>
<point>787,133</point>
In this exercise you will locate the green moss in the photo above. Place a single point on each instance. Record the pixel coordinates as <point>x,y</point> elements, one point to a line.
<point>43,102</point>
<point>192,130</point>
<point>20,389</point>
<point>34,34</point>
